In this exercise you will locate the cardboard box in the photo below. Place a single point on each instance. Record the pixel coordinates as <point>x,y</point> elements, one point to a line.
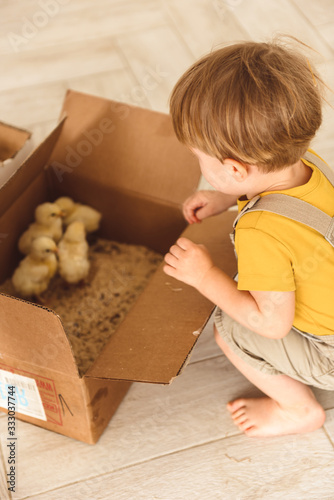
<point>15,146</point>
<point>126,162</point>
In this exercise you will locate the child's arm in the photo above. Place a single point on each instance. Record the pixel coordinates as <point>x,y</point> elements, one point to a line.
<point>269,314</point>
<point>206,203</point>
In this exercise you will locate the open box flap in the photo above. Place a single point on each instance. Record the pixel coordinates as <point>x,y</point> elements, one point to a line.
<point>27,331</point>
<point>12,139</point>
<point>156,337</point>
<point>103,142</point>
<point>30,168</point>
<point>21,193</point>
<point>35,335</point>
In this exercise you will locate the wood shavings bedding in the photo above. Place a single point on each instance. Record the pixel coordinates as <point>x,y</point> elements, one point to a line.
<point>91,313</point>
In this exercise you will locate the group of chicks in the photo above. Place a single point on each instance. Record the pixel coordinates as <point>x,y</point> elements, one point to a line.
<point>55,241</point>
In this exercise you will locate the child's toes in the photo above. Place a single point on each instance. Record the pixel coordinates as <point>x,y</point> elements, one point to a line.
<point>235,405</point>
<point>238,414</point>
<point>240,418</point>
<point>250,430</point>
<point>242,423</point>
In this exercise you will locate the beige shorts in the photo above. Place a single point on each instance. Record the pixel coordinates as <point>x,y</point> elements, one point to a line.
<point>299,355</point>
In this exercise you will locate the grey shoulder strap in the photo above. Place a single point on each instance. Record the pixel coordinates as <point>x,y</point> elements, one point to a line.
<point>321,165</point>
<point>294,208</point>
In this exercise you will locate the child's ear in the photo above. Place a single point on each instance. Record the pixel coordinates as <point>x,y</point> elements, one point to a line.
<point>237,170</point>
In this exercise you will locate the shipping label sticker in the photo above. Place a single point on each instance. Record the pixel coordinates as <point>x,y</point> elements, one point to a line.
<point>27,398</point>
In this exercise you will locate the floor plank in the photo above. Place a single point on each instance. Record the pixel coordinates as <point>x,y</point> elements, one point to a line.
<point>152,420</point>
<point>120,85</point>
<point>263,20</point>
<point>58,63</point>
<point>323,142</point>
<point>201,24</point>
<point>46,24</point>
<point>236,468</point>
<point>318,13</point>
<point>329,425</point>
<point>155,68</point>
<point>33,104</point>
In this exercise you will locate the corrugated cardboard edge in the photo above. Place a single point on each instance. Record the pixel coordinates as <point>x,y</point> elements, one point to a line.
<point>53,136</point>
<point>26,137</point>
<point>197,333</point>
<point>119,361</point>
<point>50,311</point>
<point>27,173</point>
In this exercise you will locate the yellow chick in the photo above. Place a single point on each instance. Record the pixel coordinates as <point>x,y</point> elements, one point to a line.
<point>34,272</point>
<point>48,222</point>
<point>73,254</point>
<point>76,211</point>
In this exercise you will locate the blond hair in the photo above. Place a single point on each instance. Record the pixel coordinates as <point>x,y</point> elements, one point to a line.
<point>258,103</point>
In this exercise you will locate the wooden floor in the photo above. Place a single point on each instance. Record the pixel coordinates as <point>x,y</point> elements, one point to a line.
<point>175,442</point>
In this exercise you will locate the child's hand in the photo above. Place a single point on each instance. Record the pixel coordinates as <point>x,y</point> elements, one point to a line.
<point>206,203</point>
<point>188,262</point>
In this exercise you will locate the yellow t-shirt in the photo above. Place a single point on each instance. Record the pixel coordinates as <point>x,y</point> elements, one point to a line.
<point>278,254</point>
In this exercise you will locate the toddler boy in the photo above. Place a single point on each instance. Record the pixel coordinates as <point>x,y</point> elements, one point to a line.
<point>248,112</point>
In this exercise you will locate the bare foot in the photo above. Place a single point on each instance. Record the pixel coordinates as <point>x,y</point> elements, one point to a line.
<point>260,417</point>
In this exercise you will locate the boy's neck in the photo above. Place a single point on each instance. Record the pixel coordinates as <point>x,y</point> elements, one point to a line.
<point>280,180</point>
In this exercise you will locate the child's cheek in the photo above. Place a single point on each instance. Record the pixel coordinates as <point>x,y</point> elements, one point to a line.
<point>216,177</point>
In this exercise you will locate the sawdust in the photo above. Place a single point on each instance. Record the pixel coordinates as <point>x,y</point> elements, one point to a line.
<point>90,313</point>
